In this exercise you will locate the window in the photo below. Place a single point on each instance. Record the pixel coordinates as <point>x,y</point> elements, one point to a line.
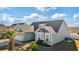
<point>47,37</point>
<point>38,36</point>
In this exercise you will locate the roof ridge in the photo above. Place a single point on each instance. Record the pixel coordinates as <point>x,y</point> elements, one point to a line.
<point>48,21</point>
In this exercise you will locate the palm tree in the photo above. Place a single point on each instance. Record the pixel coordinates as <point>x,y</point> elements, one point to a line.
<point>10,34</point>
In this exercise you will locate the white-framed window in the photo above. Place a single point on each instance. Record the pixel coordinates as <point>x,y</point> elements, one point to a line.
<point>39,36</point>
<point>47,37</point>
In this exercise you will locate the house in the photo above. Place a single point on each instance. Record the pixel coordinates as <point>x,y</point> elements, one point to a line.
<point>16,24</point>
<point>51,32</point>
<point>3,27</point>
<point>26,32</point>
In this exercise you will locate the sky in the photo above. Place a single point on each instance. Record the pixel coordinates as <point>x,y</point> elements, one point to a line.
<point>11,15</point>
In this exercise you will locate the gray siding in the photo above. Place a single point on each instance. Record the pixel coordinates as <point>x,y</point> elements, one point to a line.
<point>28,36</point>
<point>57,38</point>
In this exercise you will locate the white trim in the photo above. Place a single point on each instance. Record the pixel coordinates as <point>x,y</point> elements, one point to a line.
<point>38,30</point>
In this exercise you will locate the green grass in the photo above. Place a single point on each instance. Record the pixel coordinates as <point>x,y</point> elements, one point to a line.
<point>65,46</point>
<point>61,46</point>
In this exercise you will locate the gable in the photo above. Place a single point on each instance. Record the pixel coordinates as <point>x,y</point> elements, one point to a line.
<point>42,30</point>
<point>64,30</point>
<point>39,31</point>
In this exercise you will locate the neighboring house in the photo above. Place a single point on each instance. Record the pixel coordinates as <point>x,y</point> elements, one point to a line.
<point>26,32</point>
<point>17,24</point>
<point>51,32</point>
<point>3,27</point>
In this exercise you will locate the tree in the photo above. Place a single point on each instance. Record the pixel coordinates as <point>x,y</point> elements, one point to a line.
<point>10,34</point>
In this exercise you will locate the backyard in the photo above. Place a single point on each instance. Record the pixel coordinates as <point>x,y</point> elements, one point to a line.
<point>65,46</point>
<point>61,46</point>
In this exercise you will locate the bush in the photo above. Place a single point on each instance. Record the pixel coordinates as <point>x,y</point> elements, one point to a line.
<point>32,46</point>
<point>40,42</point>
<point>43,43</point>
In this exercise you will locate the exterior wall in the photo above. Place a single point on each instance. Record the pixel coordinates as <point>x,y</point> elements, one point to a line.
<point>25,36</point>
<point>63,31</point>
<point>18,38</point>
<point>28,36</point>
<point>56,38</point>
<point>53,37</point>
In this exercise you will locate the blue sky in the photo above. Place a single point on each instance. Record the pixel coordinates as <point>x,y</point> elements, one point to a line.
<point>10,15</point>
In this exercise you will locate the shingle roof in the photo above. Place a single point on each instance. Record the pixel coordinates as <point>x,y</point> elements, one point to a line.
<point>43,29</point>
<point>49,29</point>
<point>55,24</point>
<point>27,28</point>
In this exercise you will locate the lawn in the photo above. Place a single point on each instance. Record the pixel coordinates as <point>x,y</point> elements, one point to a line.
<point>65,46</point>
<point>61,46</point>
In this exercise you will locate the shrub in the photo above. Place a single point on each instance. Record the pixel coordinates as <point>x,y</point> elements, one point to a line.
<point>40,42</point>
<point>32,46</point>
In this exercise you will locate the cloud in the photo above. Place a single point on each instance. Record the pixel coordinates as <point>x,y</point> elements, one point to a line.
<point>6,19</point>
<point>76,17</point>
<point>37,17</point>
<point>34,17</point>
<point>75,20</point>
<point>58,16</point>
<point>45,9</point>
<point>75,24</point>
<point>4,8</point>
<point>42,9</point>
